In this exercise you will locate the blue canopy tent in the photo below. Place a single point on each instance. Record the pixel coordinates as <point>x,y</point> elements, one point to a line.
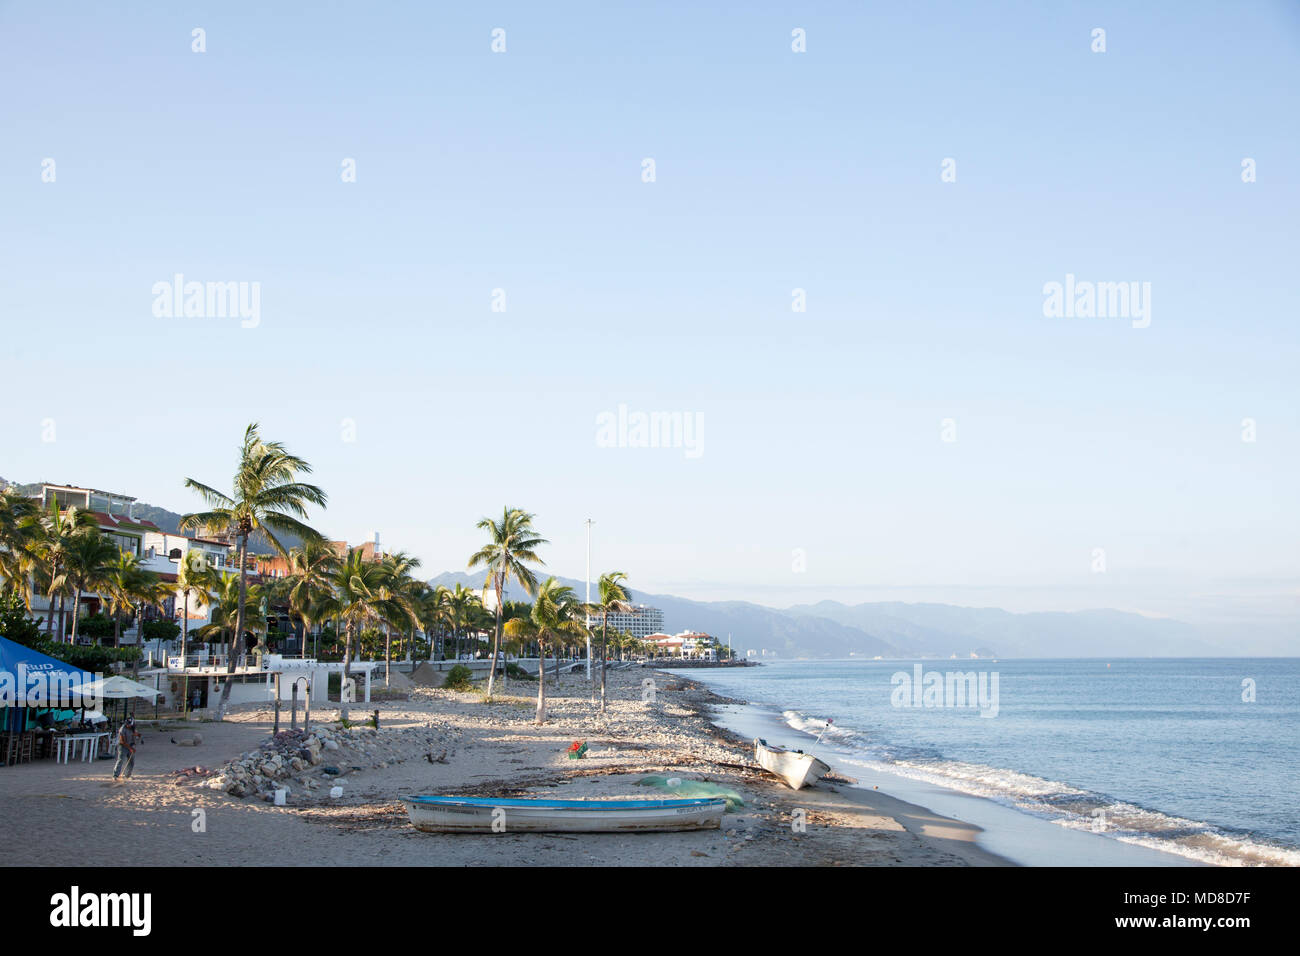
<point>24,671</point>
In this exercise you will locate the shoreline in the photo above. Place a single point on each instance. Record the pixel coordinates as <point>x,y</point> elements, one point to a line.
<point>452,743</point>
<point>1004,831</point>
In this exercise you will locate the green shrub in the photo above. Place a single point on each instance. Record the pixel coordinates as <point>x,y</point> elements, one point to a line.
<point>88,657</point>
<point>161,630</point>
<point>94,627</point>
<point>15,625</point>
<point>459,677</point>
<point>515,672</point>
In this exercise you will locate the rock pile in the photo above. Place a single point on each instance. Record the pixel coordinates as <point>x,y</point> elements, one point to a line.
<point>290,759</point>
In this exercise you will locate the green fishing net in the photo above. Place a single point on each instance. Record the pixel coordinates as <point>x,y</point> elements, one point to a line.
<point>693,788</point>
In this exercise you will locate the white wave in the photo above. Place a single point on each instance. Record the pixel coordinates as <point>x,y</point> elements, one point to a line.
<point>1056,801</point>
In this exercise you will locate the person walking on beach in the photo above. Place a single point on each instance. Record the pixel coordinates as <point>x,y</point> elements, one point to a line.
<point>126,738</point>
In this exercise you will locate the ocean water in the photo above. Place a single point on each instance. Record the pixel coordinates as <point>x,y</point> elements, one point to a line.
<point>1161,753</point>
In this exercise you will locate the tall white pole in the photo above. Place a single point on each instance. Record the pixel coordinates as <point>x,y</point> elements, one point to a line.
<point>589,524</point>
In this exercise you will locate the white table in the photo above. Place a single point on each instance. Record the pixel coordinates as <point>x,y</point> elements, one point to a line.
<point>70,744</point>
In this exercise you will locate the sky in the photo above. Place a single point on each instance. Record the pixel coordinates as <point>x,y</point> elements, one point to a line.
<point>921,430</point>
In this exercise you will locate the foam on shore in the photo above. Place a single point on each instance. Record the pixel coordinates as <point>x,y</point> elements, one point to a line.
<point>1055,801</point>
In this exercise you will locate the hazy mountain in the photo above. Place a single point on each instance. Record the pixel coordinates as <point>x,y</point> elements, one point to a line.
<point>886,629</point>
<point>750,625</point>
<point>944,629</point>
<point>896,629</point>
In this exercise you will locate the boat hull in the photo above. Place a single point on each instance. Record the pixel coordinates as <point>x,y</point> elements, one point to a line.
<point>798,770</point>
<point>476,815</point>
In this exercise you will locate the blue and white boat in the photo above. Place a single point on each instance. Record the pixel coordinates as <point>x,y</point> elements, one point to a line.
<point>502,815</point>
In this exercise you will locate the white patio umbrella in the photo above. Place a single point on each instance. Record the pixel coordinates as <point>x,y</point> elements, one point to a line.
<point>116,688</point>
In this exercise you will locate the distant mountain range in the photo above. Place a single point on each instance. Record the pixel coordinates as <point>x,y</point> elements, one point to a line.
<point>881,629</point>
<point>899,630</point>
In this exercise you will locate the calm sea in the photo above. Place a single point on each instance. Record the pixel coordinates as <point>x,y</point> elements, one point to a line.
<point>1162,753</point>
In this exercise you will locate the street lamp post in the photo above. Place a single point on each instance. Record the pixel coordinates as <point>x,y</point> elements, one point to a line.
<point>588,613</point>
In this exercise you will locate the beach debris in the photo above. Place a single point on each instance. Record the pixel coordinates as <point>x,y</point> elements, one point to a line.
<point>577,750</point>
<point>190,773</point>
<point>693,788</point>
<point>336,792</point>
<point>297,754</point>
<point>192,741</point>
<point>280,795</point>
<point>441,758</point>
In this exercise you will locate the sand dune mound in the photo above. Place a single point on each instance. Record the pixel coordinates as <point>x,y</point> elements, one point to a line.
<point>425,676</point>
<point>399,681</point>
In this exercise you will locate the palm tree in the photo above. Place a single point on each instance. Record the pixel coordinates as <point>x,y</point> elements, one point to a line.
<point>361,595</point>
<point>311,574</point>
<point>512,544</point>
<point>520,630</point>
<point>55,532</point>
<point>234,604</point>
<point>556,615</point>
<point>19,524</point>
<point>193,575</point>
<point>460,604</point>
<point>613,597</point>
<point>128,586</point>
<point>86,563</point>
<point>401,589</point>
<point>268,500</point>
<point>428,614</point>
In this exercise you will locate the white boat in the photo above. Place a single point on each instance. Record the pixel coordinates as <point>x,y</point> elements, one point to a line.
<point>497,815</point>
<point>795,767</point>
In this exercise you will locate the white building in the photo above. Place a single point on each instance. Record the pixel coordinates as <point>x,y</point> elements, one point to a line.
<point>158,551</point>
<point>114,513</point>
<point>641,621</point>
<point>691,644</point>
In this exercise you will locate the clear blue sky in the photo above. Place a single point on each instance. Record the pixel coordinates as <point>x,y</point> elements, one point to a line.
<point>775,170</point>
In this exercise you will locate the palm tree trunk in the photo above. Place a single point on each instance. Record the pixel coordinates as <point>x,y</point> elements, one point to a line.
<point>76,615</point>
<point>541,685</point>
<point>348,635</point>
<point>49,618</point>
<point>496,642</point>
<point>185,626</point>
<point>63,609</point>
<point>237,643</point>
<point>388,652</point>
<point>604,638</point>
<point>117,629</point>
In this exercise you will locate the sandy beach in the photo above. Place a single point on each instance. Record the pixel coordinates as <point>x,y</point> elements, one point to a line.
<point>445,742</point>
